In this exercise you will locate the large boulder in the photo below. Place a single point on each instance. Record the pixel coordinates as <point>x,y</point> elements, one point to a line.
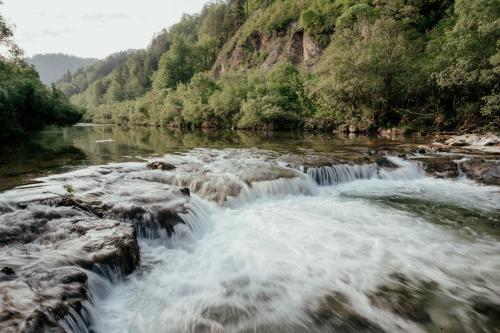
<point>484,171</point>
<point>439,166</point>
<point>47,254</point>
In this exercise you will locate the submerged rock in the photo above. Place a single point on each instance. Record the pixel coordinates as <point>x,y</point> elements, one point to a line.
<point>335,313</point>
<point>160,165</point>
<point>490,313</point>
<point>405,299</point>
<point>47,254</point>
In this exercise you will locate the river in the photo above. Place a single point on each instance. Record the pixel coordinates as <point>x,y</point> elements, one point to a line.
<point>276,237</point>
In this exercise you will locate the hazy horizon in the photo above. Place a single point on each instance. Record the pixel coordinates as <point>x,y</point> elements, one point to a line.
<point>91,29</point>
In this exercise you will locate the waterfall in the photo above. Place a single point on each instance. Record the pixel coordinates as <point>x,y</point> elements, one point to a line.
<point>100,283</point>
<point>274,189</point>
<point>458,163</point>
<point>342,173</point>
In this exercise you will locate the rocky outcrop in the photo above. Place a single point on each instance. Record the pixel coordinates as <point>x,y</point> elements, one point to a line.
<point>264,50</point>
<point>472,155</point>
<point>473,140</point>
<point>53,246</point>
<point>484,171</point>
<point>47,254</point>
<point>486,143</point>
<point>439,166</point>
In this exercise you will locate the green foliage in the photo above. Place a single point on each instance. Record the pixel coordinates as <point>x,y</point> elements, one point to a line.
<point>26,104</point>
<point>69,189</point>
<point>173,57</point>
<point>432,64</point>
<point>253,100</point>
<point>178,65</point>
<point>468,60</point>
<point>318,19</point>
<point>365,76</point>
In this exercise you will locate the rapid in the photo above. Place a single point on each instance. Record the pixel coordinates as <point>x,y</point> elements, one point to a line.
<point>269,242</point>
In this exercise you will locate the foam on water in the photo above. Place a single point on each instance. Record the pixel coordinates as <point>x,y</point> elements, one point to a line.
<point>264,261</point>
<point>263,245</point>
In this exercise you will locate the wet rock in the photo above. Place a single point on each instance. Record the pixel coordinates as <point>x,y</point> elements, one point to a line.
<point>490,313</point>
<point>335,313</point>
<point>486,142</point>
<point>4,208</point>
<point>160,165</point>
<point>405,298</point>
<point>391,132</point>
<point>266,173</point>
<point>213,187</point>
<point>343,128</point>
<point>48,260</point>
<point>439,166</point>
<point>437,147</point>
<point>226,315</point>
<point>457,141</point>
<point>222,180</point>
<point>7,271</point>
<point>422,150</point>
<point>385,163</point>
<point>487,309</point>
<point>485,171</point>
<point>150,220</point>
<point>186,191</point>
<point>473,140</point>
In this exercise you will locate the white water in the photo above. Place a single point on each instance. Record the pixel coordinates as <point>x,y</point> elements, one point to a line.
<point>263,246</point>
<point>264,261</point>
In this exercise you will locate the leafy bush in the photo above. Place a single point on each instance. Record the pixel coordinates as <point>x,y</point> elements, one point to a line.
<point>27,105</point>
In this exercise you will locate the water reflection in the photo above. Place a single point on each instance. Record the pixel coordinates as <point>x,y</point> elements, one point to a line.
<point>59,149</point>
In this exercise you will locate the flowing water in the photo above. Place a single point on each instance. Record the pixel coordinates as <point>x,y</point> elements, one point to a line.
<point>273,242</point>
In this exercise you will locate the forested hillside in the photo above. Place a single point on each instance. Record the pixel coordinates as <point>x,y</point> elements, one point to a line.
<point>26,104</point>
<point>315,64</point>
<point>51,67</point>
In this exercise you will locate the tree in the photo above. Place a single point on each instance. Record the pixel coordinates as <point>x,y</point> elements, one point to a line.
<point>178,65</point>
<point>468,60</point>
<point>235,15</point>
<point>6,42</point>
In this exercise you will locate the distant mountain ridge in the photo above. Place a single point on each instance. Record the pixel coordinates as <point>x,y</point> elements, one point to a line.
<point>53,66</point>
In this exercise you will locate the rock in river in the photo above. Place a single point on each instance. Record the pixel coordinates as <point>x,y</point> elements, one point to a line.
<point>47,255</point>
<point>160,165</point>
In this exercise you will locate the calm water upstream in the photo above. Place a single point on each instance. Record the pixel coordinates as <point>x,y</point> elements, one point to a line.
<point>284,232</point>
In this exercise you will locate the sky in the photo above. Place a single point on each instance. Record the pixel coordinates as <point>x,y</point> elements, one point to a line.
<point>91,28</point>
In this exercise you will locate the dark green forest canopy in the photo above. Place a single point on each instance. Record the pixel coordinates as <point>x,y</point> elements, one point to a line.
<point>417,64</point>
<point>26,104</point>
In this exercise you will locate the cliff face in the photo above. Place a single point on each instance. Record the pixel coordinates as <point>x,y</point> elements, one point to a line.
<point>263,50</point>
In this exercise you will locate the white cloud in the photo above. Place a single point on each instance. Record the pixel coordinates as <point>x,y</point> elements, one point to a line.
<point>91,28</point>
